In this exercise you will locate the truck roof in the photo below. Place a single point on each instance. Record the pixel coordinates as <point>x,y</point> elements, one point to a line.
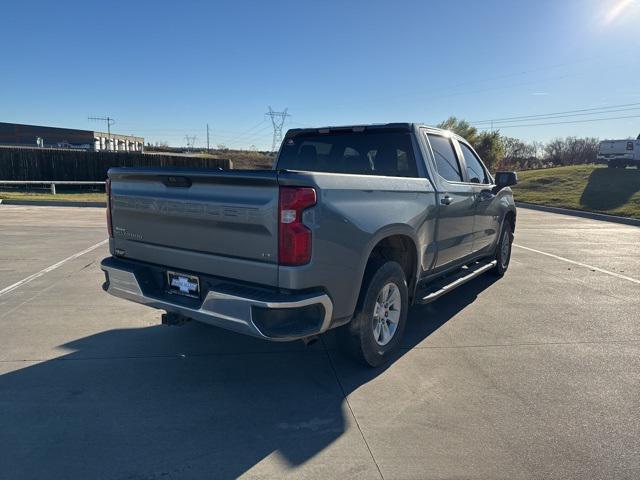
<point>629,139</point>
<point>408,126</point>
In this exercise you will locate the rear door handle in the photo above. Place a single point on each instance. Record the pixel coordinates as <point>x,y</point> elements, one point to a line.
<point>446,200</point>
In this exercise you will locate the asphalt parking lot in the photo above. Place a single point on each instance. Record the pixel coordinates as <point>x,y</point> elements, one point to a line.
<point>536,375</point>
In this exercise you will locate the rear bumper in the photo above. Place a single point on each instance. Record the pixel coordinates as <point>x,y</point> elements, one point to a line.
<point>265,314</point>
<point>615,158</point>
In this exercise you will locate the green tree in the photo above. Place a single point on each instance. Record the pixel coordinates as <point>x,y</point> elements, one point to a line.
<point>490,148</point>
<point>487,144</point>
<point>461,127</point>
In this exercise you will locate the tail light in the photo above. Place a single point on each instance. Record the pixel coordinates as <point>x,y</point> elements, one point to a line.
<point>107,189</point>
<point>629,145</point>
<point>294,238</point>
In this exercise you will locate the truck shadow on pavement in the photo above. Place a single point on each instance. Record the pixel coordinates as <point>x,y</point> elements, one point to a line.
<point>193,402</point>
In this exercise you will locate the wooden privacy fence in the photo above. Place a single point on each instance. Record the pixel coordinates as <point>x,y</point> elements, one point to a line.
<point>78,165</point>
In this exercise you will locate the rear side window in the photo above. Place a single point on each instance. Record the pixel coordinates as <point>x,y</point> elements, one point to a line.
<point>386,153</point>
<point>446,159</point>
<point>475,170</point>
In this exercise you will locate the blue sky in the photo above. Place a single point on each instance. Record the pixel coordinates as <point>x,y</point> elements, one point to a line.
<point>165,69</point>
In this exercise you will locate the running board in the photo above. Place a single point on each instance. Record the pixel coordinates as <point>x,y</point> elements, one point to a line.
<point>466,273</point>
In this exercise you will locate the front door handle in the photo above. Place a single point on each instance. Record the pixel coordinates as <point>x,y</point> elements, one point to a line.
<point>446,200</point>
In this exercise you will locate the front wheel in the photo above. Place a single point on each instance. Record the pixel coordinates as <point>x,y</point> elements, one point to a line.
<point>380,318</point>
<point>503,249</point>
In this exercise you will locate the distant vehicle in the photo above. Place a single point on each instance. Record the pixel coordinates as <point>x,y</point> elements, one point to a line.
<point>351,226</point>
<point>620,153</point>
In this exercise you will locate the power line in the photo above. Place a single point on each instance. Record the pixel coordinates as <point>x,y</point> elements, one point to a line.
<point>531,117</point>
<point>246,132</point>
<point>225,138</point>
<point>553,117</point>
<point>257,134</point>
<point>565,123</point>
<point>277,120</point>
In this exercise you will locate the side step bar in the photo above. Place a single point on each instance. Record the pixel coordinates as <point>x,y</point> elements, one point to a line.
<point>466,273</point>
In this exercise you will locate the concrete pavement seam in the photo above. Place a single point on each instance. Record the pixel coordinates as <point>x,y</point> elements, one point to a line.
<point>344,395</point>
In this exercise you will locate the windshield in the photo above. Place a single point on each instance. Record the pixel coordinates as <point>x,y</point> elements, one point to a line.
<point>366,153</point>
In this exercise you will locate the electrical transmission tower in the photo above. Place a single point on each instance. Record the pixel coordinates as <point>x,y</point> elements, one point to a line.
<point>191,140</point>
<point>277,120</point>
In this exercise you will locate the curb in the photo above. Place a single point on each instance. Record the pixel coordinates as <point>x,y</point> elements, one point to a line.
<point>581,213</point>
<point>53,203</point>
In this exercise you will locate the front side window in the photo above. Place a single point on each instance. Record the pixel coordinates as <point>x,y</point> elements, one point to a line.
<point>445,156</point>
<point>475,170</point>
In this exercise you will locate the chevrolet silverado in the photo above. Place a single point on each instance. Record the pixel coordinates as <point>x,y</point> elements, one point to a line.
<point>350,227</point>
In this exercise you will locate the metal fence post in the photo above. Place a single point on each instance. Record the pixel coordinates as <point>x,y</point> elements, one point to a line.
<point>53,189</point>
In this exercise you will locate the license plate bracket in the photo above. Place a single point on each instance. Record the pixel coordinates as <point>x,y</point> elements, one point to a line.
<point>183,284</point>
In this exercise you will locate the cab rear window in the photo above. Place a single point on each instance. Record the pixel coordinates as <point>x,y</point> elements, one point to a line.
<point>365,153</point>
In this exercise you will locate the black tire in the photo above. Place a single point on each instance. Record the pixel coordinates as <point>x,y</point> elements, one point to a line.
<point>503,253</point>
<point>357,338</point>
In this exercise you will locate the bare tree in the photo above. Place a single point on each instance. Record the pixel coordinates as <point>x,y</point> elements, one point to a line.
<point>571,150</point>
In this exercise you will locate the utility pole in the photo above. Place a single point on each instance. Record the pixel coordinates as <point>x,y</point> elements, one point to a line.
<point>208,138</point>
<point>110,121</point>
<point>277,120</point>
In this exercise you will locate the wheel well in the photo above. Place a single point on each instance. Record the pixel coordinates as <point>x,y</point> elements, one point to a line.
<point>401,249</point>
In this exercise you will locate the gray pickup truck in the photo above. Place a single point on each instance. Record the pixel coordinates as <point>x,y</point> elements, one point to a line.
<point>351,226</point>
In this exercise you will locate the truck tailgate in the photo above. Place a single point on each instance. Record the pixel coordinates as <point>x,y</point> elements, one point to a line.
<point>213,222</point>
<point>616,147</point>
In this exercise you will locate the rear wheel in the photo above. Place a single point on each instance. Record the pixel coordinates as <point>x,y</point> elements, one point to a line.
<point>503,249</point>
<point>380,318</point>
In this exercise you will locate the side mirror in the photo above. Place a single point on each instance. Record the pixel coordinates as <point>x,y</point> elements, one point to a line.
<point>506,179</point>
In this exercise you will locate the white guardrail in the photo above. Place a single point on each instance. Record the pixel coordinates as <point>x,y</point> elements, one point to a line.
<point>52,183</point>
